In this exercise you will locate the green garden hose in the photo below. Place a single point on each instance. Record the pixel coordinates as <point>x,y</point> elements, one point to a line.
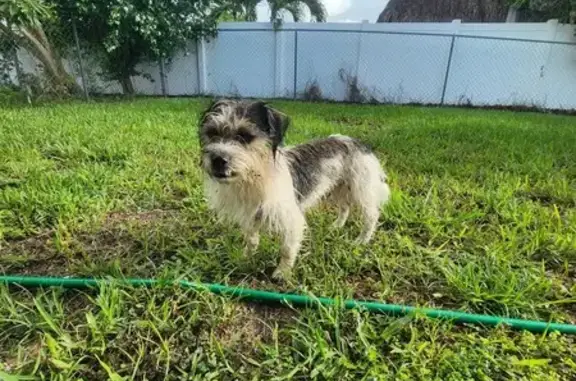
<point>298,300</point>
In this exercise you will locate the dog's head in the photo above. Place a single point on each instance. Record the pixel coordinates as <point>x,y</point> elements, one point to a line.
<point>239,137</point>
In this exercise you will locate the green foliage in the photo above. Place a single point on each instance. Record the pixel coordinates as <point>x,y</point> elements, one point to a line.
<point>127,32</point>
<point>7,63</point>
<point>242,10</point>
<point>24,12</point>
<point>31,25</point>
<point>563,10</point>
<point>246,9</point>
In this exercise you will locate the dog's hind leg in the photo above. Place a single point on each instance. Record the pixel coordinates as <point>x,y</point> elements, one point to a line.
<point>292,232</point>
<point>369,191</point>
<point>369,203</point>
<point>340,197</point>
<point>370,214</point>
<point>343,213</point>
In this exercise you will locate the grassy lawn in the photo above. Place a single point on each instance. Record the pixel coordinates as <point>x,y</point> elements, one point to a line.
<point>482,219</point>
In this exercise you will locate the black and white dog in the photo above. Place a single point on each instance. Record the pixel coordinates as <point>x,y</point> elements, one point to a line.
<point>253,181</point>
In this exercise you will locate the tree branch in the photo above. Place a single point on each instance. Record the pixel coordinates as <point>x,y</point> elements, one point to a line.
<point>42,53</point>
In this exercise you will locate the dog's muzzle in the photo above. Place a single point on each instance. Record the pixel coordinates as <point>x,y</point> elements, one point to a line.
<point>218,166</point>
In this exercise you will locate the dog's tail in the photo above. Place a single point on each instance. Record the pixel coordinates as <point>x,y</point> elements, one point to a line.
<point>368,169</point>
<point>383,187</point>
<point>369,181</point>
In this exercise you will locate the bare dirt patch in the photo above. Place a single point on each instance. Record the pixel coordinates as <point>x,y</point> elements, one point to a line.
<point>252,324</point>
<point>119,238</point>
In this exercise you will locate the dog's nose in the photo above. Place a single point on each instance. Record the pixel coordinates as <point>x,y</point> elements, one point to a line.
<point>219,165</point>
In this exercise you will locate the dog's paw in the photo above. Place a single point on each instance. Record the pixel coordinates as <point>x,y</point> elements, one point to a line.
<point>361,240</point>
<point>247,251</point>
<point>282,273</point>
<point>336,225</point>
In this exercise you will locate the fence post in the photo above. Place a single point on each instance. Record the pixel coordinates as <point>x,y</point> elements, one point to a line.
<point>359,50</point>
<point>201,65</point>
<point>79,58</point>
<point>279,63</point>
<point>162,76</point>
<point>199,87</point>
<point>447,70</point>
<point>295,93</point>
<point>20,75</point>
<point>455,23</point>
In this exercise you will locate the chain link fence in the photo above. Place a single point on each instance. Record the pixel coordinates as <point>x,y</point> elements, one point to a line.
<point>510,72</point>
<point>440,69</point>
<point>39,63</point>
<point>363,66</point>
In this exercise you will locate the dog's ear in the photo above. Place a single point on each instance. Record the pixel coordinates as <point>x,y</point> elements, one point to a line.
<point>273,122</point>
<point>279,123</point>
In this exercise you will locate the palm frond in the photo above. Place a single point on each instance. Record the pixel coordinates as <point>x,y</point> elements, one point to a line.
<point>296,10</point>
<point>250,9</point>
<point>242,9</point>
<point>295,7</point>
<point>317,9</point>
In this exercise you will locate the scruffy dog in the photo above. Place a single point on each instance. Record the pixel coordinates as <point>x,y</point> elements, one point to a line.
<point>253,181</point>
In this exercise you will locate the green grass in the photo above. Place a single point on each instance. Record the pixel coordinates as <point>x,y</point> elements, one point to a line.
<point>482,219</point>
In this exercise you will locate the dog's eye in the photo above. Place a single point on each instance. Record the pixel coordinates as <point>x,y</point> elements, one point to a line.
<point>210,133</point>
<point>244,137</point>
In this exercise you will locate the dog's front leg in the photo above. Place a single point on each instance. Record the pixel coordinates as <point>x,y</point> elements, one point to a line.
<point>251,239</point>
<point>292,234</point>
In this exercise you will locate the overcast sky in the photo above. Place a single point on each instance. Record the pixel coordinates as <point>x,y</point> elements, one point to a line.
<point>340,10</point>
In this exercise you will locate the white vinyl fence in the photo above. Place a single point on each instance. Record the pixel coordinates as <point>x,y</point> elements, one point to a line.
<point>521,64</point>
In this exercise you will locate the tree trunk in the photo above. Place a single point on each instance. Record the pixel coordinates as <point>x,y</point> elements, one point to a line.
<point>127,85</point>
<point>36,43</point>
<point>61,75</point>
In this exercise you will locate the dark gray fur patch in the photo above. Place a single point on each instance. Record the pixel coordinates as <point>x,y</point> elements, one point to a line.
<point>306,160</point>
<point>258,215</point>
